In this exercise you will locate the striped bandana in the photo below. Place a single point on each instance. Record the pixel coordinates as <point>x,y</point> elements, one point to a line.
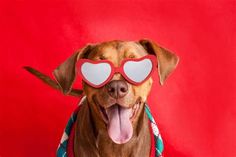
<point>158,143</point>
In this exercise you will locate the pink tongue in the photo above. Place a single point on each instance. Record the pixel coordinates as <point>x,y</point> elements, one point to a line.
<point>120,128</point>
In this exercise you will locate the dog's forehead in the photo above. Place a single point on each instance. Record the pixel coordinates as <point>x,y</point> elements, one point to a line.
<point>117,50</point>
<point>132,49</point>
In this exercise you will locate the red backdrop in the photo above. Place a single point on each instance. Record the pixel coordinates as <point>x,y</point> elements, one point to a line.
<point>195,109</point>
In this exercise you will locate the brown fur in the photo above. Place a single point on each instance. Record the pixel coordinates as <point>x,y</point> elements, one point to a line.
<point>91,137</point>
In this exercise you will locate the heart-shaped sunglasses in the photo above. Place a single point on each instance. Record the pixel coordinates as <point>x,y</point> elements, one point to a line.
<point>99,73</point>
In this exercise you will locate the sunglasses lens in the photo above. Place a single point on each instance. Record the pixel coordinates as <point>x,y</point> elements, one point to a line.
<point>95,74</point>
<point>138,71</point>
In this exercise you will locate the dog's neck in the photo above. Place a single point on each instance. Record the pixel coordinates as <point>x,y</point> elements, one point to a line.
<point>92,137</point>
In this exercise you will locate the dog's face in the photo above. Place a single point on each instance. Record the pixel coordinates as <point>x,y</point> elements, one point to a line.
<point>118,104</point>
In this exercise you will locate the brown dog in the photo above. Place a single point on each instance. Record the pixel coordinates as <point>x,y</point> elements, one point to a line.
<point>93,132</point>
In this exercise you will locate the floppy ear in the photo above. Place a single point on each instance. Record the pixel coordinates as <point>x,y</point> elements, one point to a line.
<point>167,61</point>
<point>65,73</point>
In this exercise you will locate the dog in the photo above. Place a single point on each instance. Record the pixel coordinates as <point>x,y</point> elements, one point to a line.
<point>96,135</point>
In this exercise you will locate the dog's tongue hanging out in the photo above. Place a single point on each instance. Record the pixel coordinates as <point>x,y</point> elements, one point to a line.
<point>120,128</point>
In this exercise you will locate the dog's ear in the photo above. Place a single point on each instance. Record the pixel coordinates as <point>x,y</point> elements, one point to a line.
<point>167,61</point>
<point>65,73</point>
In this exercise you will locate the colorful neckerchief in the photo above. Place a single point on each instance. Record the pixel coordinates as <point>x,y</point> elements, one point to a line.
<point>62,148</point>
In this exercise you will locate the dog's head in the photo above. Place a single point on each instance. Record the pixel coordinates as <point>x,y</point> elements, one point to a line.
<point>118,104</point>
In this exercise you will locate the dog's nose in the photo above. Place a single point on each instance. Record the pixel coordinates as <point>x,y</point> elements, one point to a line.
<point>117,88</point>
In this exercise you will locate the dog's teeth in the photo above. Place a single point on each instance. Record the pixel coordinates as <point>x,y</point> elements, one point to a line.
<point>131,114</point>
<point>134,108</point>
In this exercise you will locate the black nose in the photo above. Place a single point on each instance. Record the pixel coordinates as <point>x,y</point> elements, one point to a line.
<point>117,88</point>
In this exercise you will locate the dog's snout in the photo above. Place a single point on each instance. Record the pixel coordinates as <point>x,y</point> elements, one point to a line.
<point>117,88</point>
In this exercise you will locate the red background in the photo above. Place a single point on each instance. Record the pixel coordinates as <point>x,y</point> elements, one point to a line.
<point>195,109</point>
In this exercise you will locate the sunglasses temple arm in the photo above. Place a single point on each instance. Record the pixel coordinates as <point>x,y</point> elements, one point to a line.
<point>46,79</point>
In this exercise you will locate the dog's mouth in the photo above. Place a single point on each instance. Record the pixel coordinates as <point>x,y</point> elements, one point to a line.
<point>118,120</point>
<point>132,111</point>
